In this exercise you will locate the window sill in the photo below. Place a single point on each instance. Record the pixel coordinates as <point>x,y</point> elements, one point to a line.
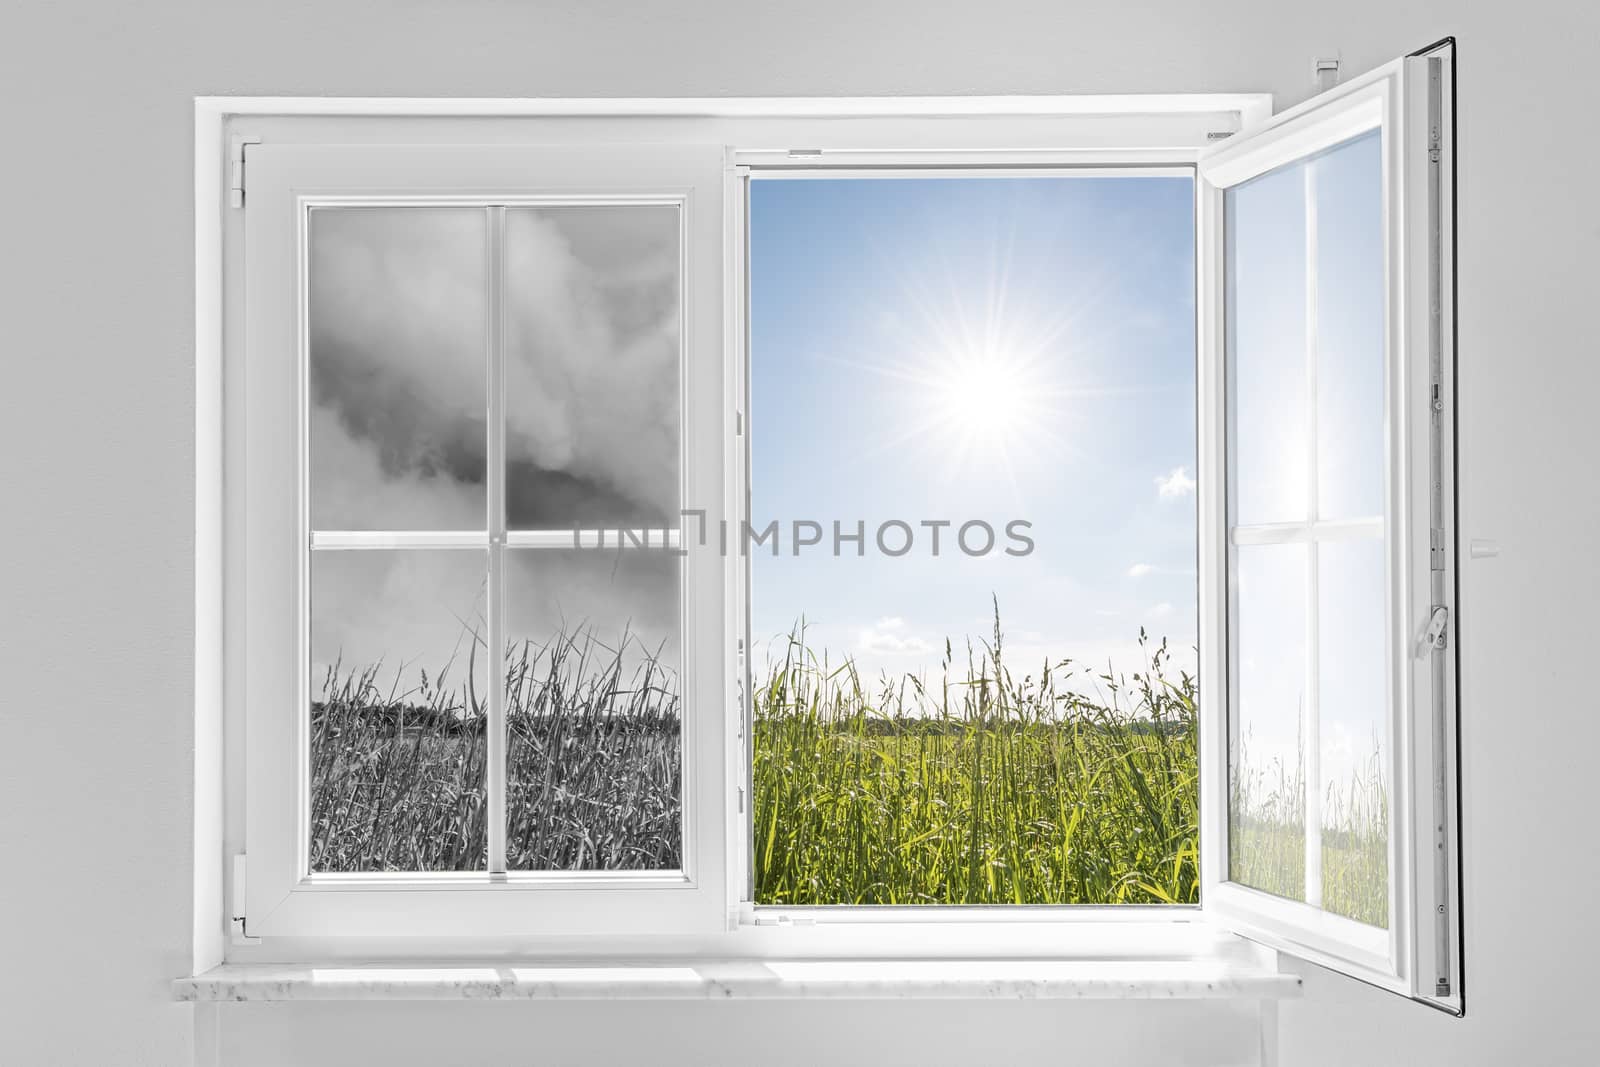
<point>1204,979</point>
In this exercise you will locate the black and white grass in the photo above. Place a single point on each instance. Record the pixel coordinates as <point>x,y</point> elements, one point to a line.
<point>398,299</point>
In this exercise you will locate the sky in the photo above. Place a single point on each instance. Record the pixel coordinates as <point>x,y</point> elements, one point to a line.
<point>1000,350</point>
<point>397,305</point>
<point>960,349</point>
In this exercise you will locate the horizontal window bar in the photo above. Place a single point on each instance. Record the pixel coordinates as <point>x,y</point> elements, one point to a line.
<point>353,539</point>
<point>989,164</point>
<point>484,881</point>
<point>583,538</point>
<point>1293,533</point>
<point>593,538</point>
<point>360,200</point>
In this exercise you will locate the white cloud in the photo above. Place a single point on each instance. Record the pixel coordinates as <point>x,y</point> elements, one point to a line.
<point>1139,570</point>
<point>1160,611</point>
<point>1176,484</point>
<point>888,637</point>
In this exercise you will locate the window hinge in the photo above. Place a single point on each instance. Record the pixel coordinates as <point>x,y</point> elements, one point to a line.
<point>1436,548</point>
<point>236,167</point>
<point>1437,634</point>
<point>741,800</point>
<point>1324,73</point>
<point>739,682</point>
<point>738,424</point>
<point>783,920</point>
<point>236,917</point>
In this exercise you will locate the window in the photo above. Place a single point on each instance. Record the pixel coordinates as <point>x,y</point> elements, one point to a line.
<point>458,680</point>
<point>532,425</point>
<point>435,568</point>
<point>1326,536</point>
<point>1308,767</point>
<point>973,629</point>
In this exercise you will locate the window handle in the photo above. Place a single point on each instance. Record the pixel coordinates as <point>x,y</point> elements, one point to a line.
<point>1434,636</point>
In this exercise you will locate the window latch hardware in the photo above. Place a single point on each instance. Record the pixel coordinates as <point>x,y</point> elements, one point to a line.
<point>1436,636</point>
<point>236,168</point>
<point>236,918</point>
<point>783,920</point>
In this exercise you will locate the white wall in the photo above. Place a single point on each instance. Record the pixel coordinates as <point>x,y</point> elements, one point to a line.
<point>743,1034</point>
<point>96,410</point>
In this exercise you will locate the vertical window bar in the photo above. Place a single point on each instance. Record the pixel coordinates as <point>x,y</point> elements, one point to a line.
<point>1441,792</point>
<point>747,678</point>
<point>1311,712</point>
<point>495,736</point>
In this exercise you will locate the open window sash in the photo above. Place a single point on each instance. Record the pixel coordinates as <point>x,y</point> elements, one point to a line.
<point>1328,532</point>
<point>283,893</point>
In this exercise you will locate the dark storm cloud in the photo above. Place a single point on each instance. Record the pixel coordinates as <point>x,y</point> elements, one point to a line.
<point>398,380</point>
<point>592,369</point>
<point>398,304</point>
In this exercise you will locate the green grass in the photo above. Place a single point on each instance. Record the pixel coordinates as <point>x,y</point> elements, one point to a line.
<point>996,787</point>
<point>1267,840</point>
<point>996,784</point>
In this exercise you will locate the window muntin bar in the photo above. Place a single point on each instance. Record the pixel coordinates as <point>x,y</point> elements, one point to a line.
<point>523,243</point>
<point>1313,445</point>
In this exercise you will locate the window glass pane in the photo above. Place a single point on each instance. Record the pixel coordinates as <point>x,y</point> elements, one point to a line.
<point>592,364</point>
<point>1353,711</point>
<point>948,709</point>
<point>595,750</point>
<point>397,302</point>
<point>398,688</point>
<point>1313,227</point>
<point>1267,810</point>
<point>1266,330</point>
<point>1350,299</point>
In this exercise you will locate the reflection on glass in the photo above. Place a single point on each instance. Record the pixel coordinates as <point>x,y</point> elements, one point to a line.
<point>1310,231</point>
<point>1350,279</point>
<point>397,710</point>
<point>1266,281</point>
<point>398,371</point>
<point>1267,809</point>
<point>592,364</point>
<point>594,777</point>
<point>1353,714</point>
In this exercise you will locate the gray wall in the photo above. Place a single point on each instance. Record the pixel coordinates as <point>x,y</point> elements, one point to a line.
<point>96,412</point>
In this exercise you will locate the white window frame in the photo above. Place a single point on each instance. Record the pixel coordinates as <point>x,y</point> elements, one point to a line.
<point>1419,954</point>
<point>1021,132</point>
<point>281,897</point>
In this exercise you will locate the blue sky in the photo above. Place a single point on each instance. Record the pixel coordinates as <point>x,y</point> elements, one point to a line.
<point>980,348</point>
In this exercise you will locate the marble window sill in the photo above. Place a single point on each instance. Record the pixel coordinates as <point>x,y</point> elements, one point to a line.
<point>746,980</point>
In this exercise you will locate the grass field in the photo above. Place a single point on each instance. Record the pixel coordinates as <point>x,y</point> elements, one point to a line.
<point>1267,840</point>
<point>593,771</point>
<point>997,785</point>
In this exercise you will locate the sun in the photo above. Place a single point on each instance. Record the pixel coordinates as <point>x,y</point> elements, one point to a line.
<point>986,399</point>
<point>980,377</point>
